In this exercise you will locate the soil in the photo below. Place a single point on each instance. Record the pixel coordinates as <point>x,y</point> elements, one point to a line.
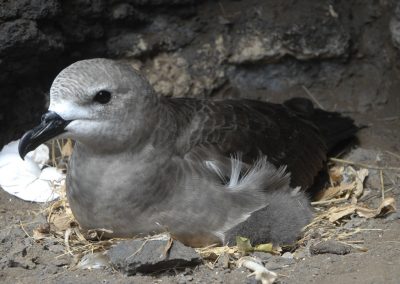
<point>357,76</point>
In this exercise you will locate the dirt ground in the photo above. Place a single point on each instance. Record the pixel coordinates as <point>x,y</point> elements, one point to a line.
<point>23,260</point>
<point>358,75</point>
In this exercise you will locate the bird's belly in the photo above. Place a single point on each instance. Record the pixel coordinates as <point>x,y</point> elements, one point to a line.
<point>112,198</point>
<point>137,213</point>
<point>111,213</point>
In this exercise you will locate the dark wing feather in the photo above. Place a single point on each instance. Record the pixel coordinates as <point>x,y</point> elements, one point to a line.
<point>252,128</point>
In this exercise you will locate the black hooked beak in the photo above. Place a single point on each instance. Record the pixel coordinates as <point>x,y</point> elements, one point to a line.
<point>51,126</point>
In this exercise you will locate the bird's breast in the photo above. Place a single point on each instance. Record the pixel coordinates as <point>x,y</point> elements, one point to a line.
<point>110,191</point>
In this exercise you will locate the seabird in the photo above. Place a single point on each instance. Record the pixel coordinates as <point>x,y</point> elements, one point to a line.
<point>204,170</point>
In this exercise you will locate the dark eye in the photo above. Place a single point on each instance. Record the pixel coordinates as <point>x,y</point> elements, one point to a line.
<point>102,97</point>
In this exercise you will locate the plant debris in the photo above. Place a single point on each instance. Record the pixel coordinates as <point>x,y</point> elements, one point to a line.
<point>340,202</point>
<point>259,271</point>
<point>244,246</point>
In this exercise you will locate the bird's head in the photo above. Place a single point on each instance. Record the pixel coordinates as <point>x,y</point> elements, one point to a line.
<point>97,102</point>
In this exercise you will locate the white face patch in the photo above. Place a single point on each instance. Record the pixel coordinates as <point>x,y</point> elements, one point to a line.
<point>69,111</point>
<point>97,134</point>
<point>78,126</point>
<point>82,130</point>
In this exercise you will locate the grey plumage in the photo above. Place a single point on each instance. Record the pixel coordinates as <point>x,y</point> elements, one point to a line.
<point>203,170</point>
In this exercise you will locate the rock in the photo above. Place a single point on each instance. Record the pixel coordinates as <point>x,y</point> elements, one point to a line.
<point>162,2</point>
<point>24,264</point>
<point>263,256</point>
<point>354,222</point>
<point>62,260</point>
<point>279,262</point>
<point>163,34</point>
<point>300,254</point>
<point>395,27</point>
<point>127,13</point>
<point>151,255</point>
<point>201,49</point>
<point>330,246</point>
<point>393,216</point>
<point>56,248</point>
<point>367,156</point>
<point>374,157</point>
<point>7,236</point>
<point>95,260</point>
<point>169,75</point>
<point>323,38</point>
<point>182,281</point>
<point>29,9</point>
<point>362,155</point>
<point>287,255</point>
<point>89,9</point>
<point>128,44</point>
<point>189,278</point>
<point>51,269</point>
<point>88,31</point>
<point>20,258</point>
<point>185,279</point>
<point>16,35</point>
<point>223,261</point>
<point>38,221</point>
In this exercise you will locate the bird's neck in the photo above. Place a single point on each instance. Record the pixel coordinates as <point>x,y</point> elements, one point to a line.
<point>158,129</point>
<point>165,131</point>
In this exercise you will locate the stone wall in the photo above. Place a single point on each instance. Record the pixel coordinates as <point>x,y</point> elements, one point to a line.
<point>250,48</point>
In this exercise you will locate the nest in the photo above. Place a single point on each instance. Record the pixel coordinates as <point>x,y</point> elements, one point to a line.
<point>334,206</point>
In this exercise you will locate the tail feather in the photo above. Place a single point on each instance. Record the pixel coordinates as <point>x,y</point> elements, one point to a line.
<point>334,127</point>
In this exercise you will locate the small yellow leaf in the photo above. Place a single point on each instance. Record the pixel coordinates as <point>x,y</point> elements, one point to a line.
<point>265,248</point>
<point>244,244</point>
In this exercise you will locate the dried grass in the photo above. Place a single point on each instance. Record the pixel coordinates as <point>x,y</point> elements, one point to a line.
<point>340,202</point>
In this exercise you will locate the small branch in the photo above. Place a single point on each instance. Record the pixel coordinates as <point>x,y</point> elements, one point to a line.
<point>382,184</point>
<point>312,97</point>
<point>325,202</point>
<point>362,165</point>
<point>390,118</point>
<point>68,233</point>
<point>23,229</point>
<point>393,154</point>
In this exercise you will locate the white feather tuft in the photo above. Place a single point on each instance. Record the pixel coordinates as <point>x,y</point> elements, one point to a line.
<point>212,165</point>
<point>262,175</point>
<point>236,170</point>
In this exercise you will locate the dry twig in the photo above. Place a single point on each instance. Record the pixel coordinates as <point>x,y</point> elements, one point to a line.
<point>362,165</point>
